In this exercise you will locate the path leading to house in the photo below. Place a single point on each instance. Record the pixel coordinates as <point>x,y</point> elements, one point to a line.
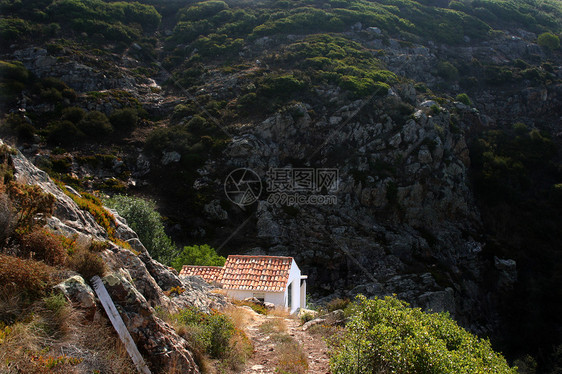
<point>265,352</point>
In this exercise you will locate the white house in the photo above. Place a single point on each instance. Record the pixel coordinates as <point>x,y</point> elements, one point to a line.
<point>273,279</point>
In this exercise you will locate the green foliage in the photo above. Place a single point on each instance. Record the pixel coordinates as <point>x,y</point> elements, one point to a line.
<point>13,79</point>
<point>463,98</point>
<point>33,206</point>
<point>210,333</point>
<point>336,304</point>
<point>55,302</point>
<point>386,335</point>
<point>447,71</point>
<point>95,124</point>
<point>505,161</point>
<point>141,215</point>
<point>124,119</point>
<point>63,133</point>
<point>549,40</point>
<point>73,114</point>
<point>198,255</point>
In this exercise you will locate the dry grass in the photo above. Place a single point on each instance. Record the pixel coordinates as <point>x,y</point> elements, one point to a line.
<point>281,313</point>
<point>239,316</point>
<point>291,358</point>
<point>50,336</point>
<point>86,263</point>
<point>273,325</point>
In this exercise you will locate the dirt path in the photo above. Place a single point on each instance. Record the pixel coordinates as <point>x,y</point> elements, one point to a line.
<point>314,347</point>
<point>265,355</point>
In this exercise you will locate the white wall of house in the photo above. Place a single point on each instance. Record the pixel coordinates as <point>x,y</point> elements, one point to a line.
<point>295,280</point>
<point>276,298</point>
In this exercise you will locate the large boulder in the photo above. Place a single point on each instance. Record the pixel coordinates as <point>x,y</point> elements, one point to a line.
<point>157,341</point>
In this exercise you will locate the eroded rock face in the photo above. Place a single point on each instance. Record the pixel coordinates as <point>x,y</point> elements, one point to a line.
<point>403,197</point>
<point>67,218</point>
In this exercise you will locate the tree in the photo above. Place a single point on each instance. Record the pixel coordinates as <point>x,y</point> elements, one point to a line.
<point>198,255</point>
<point>549,40</point>
<point>387,336</point>
<point>141,215</point>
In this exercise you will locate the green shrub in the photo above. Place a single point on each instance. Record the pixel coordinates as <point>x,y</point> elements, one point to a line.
<point>208,332</point>
<point>124,119</point>
<point>74,114</point>
<point>463,98</point>
<point>13,71</point>
<point>336,304</point>
<point>55,302</point>
<point>63,133</point>
<point>198,255</point>
<point>95,124</point>
<point>386,335</point>
<point>447,71</point>
<point>549,40</point>
<point>141,215</point>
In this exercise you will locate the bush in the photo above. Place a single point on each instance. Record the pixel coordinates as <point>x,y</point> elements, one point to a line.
<point>33,206</point>
<point>336,304</point>
<point>86,263</point>
<point>63,133</point>
<point>23,275</point>
<point>447,71</point>
<point>198,255</point>
<point>74,114</point>
<point>141,215</point>
<point>549,40</point>
<point>124,119</point>
<point>43,245</point>
<point>208,332</point>
<point>463,98</point>
<point>95,124</point>
<point>386,335</point>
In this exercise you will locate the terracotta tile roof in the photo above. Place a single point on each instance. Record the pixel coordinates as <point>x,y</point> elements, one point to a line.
<point>208,273</point>
<point>261,273</point>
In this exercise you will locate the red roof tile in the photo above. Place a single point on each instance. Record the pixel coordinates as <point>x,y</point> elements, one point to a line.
<point>208,273</point>
<point>260,273</point>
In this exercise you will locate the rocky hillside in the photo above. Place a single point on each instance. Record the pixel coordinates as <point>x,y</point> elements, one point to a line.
<point>441,118</point>
<point>136,283</point>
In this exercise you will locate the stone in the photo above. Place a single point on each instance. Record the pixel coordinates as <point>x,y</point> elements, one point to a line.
<point>77,291</point>
<point>170,157</point>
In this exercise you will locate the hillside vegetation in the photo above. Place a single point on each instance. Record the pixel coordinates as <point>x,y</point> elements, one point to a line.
<point>412,101</point>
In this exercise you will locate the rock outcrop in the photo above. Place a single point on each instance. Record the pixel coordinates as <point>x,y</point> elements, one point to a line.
<point>135,282</point>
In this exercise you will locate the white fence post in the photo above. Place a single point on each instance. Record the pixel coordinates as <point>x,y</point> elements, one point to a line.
<point>119,325</point>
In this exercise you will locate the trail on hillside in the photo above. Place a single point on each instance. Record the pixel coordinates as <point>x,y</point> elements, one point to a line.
<point>265,356</point>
